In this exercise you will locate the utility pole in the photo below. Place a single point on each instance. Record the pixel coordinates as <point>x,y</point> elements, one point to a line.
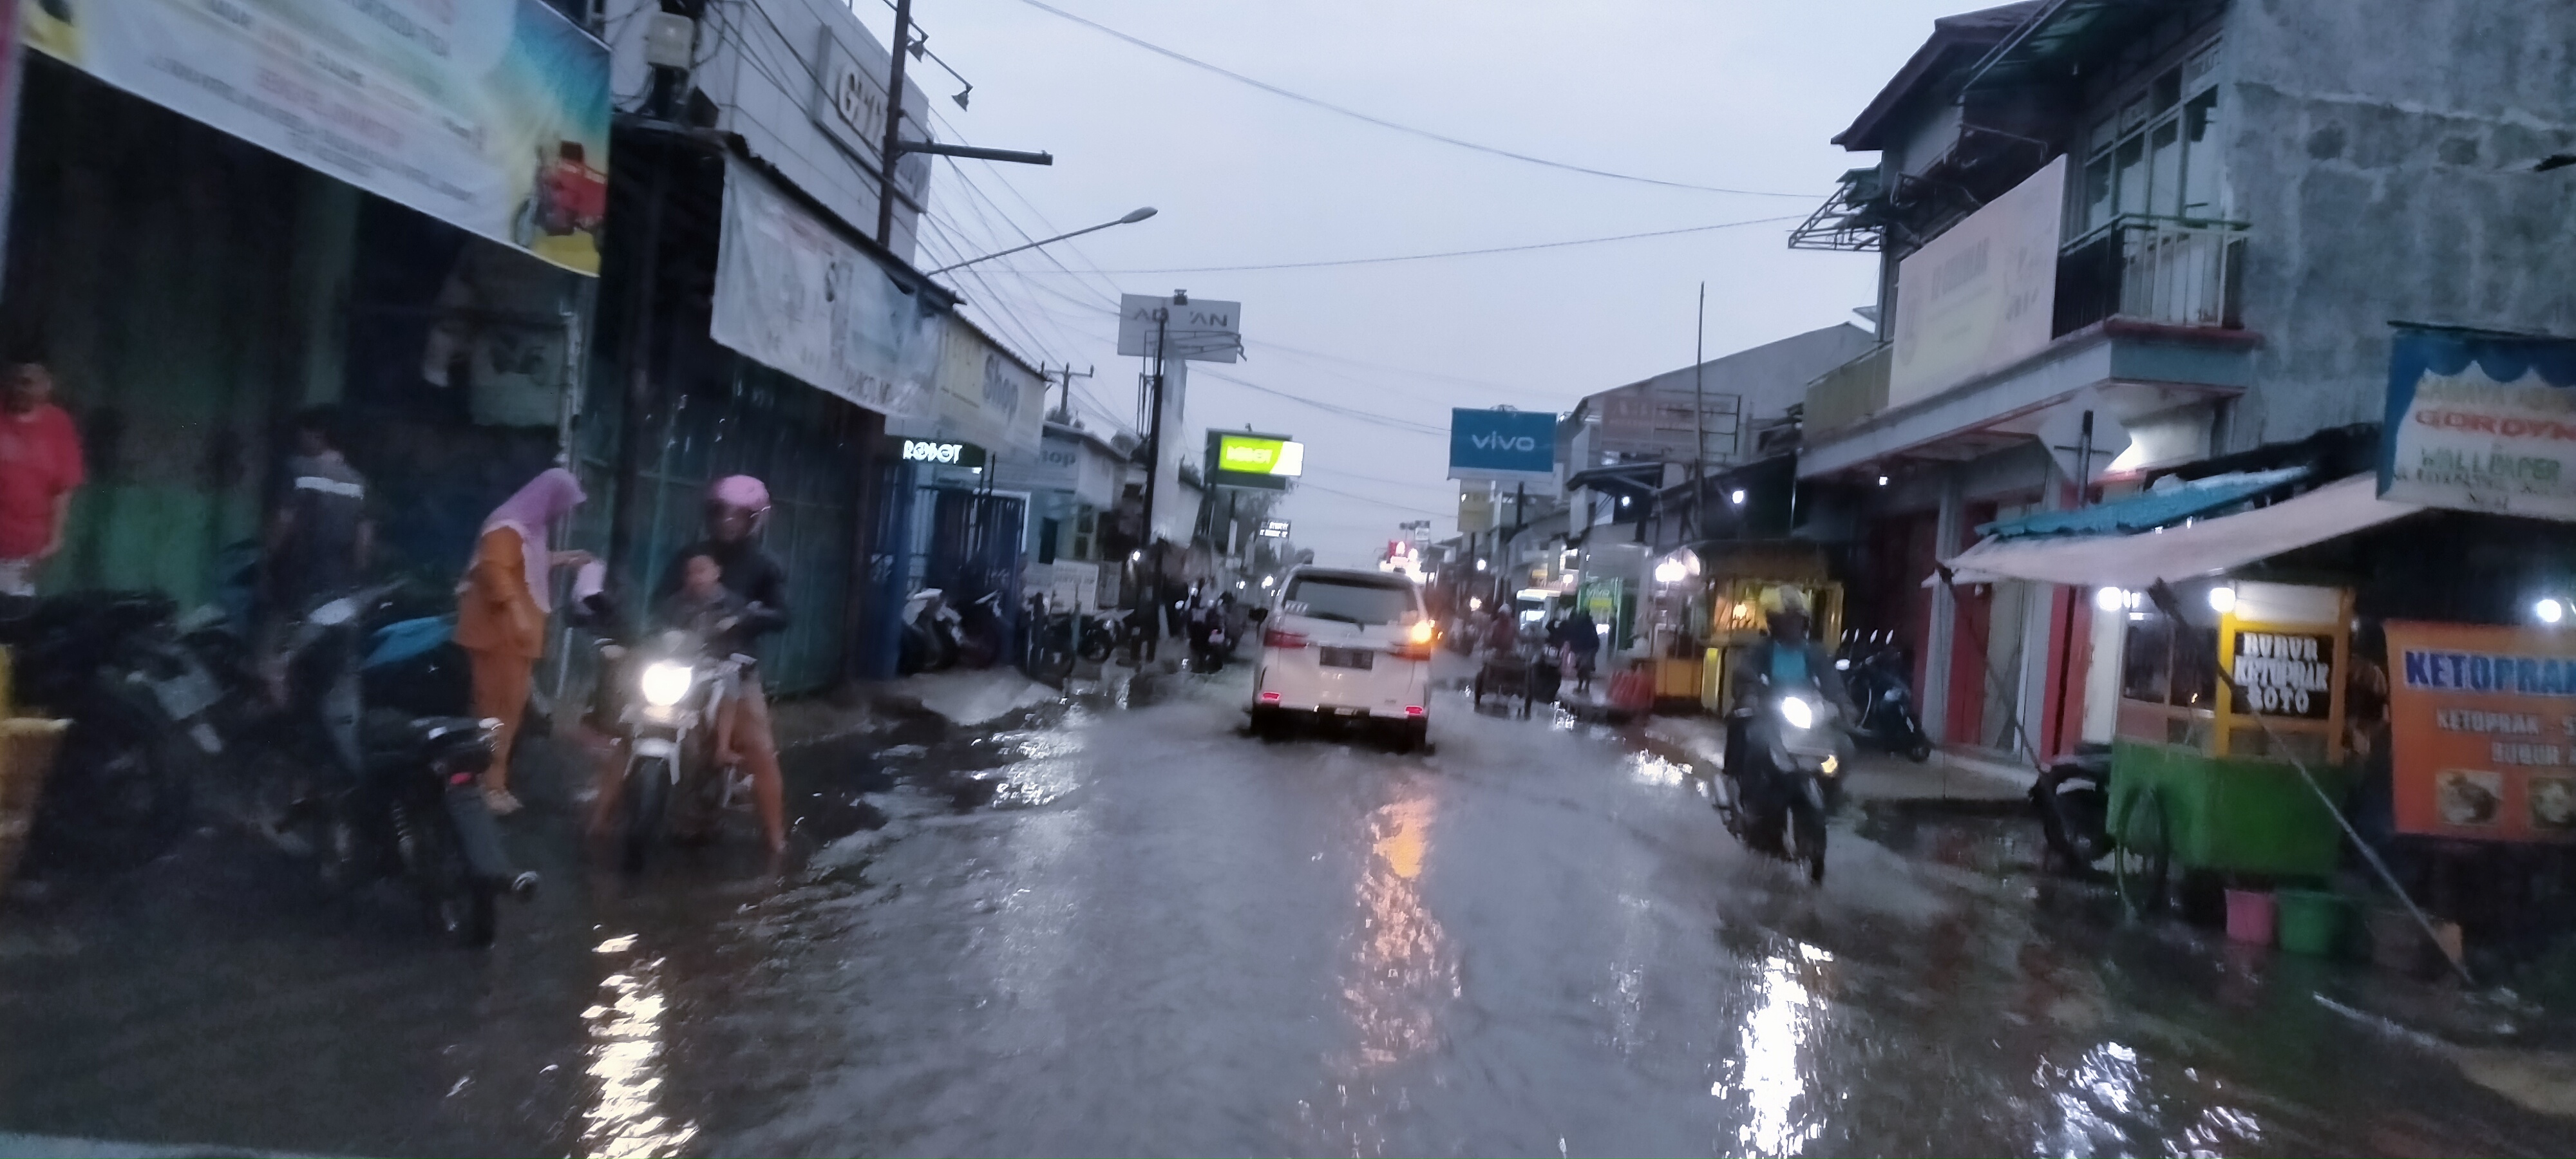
<point>1064,410</point>
<point>893,147</point>
<point>1152,604</point>
<point>1699,420</point>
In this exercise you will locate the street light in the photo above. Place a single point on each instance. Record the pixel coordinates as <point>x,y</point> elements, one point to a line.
<point>1131,219</point>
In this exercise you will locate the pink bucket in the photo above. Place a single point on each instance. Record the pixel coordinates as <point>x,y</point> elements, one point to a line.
<point>2251,915</point>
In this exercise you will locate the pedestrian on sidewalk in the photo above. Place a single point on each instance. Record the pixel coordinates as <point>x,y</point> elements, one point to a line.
<point>314,549</point>
<point>40,470</point>
<point>501,610</point>
<point>1582,646</point>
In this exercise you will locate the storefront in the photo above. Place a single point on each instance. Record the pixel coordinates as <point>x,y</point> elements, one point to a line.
<point>194,268</point>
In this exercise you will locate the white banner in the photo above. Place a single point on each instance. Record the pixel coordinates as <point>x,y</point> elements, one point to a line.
<point>985,396</point>
<point>1979,297</point>
<point>490,115</point>
<point>793,295</point>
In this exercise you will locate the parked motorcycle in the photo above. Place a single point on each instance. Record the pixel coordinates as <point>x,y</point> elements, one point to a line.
<point>980,639</point>
<point>112,664</point>
<point>1874,671</point>
<point>930,635</point>
<point>1790,746</point>
<point>2072,798</point>
<point>679,682</point>
<point>392,791</point>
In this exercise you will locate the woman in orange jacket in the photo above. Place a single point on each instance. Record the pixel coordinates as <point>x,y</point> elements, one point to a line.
<point>501,610</point>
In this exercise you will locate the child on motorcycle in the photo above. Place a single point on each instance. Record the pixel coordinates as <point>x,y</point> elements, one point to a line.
<point>705,609</point>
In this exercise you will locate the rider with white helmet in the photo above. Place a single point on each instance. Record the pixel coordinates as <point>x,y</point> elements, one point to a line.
<point>737,510</point>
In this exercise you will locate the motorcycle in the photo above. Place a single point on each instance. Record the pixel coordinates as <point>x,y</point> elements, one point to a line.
<point>679,683</point>
<point>1790,745</point>
<point>980,640</point>
<point>1874,671</point>
<point>402,797</point>
<point>930,636</point>
<point>112,663</point>
<point>2072,798</point>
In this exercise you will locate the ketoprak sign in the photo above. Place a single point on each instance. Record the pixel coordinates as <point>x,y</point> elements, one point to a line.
<point>1512,446</point>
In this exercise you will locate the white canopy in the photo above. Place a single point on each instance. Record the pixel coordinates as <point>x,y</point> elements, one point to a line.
<point>2201,548</point>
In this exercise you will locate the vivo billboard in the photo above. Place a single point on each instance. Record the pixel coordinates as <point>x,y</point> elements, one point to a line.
<point>1512,446</point>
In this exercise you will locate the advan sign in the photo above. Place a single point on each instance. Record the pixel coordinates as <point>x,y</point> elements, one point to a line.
<point>1512,446</point>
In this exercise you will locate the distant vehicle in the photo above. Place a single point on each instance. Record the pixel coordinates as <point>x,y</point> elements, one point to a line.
<point>1345,645</point>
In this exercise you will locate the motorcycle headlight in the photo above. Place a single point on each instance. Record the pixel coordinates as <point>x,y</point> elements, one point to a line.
<point>1797,712</point>
<point>664,683</point>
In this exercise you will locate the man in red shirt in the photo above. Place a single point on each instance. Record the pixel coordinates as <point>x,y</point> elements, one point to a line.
<point>40,467</point>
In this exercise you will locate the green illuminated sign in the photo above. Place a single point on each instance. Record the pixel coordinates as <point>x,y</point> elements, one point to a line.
<point>1250,460</point>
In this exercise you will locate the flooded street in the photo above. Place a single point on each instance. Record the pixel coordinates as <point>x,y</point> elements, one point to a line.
<point>1128,929</point>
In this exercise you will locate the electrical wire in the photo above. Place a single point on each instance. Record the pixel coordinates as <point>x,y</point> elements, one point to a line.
<point>1303,485</point>
<point>1383,123</point>
<point>1506,249</point>
<point>1406,425</point>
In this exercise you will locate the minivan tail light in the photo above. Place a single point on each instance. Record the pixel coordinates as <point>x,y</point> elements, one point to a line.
<point>1275,638</point>
<point>1413,710</point>
<point>1271,698</point>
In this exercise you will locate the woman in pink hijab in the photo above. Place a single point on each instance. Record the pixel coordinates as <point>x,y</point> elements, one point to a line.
<point>501,610</point>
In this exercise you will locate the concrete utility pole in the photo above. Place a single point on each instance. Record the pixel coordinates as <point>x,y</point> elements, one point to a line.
<point>1152,604</point>
<point>1064,410</point>
<point>1699,419</point>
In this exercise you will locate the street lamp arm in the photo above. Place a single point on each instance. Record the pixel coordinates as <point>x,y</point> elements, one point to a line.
<point>1130,219</point>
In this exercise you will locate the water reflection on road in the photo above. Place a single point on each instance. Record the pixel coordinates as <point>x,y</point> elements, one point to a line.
<point>627,1119</point>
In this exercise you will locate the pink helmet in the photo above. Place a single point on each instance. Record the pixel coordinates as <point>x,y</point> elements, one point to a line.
<point>741,491</point>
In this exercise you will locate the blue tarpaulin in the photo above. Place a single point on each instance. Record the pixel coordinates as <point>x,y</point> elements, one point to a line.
<point>2147,510</point>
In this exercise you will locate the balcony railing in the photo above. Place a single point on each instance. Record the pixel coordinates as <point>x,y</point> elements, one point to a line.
<point>1848,393</point>
<point>2162,270</point>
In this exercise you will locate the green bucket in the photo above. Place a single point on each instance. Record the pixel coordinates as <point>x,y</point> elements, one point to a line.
<point>2312,921</point>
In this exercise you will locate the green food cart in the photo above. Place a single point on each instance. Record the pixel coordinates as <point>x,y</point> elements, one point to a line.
<point>2202,774</point>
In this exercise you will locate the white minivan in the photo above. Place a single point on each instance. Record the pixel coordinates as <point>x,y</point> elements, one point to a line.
<point>1345,644</point>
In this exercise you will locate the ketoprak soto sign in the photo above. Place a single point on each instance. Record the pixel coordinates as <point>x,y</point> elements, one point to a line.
<point>2484,724</point>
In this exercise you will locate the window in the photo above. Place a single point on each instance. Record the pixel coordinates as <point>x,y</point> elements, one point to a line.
<point>1048,530</point>
<point>2159,154</point>
<point>1351,600</point>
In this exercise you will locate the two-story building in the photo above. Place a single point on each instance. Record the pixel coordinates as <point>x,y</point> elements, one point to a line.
<point>2119,238</point>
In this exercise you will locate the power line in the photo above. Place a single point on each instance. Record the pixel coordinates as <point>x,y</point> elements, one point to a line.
<point>1506,249</point>
<point>1382,122</point>
<point>1303,485</point>
<point>1407,425</point>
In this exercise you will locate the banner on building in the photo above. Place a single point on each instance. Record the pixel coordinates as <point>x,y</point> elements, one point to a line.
<point>1981,296</point>
<point>793,295</point>
<point>1513,446</point>
<point>490,115</point>
<point>2484,725</point>
<point>985,395</point>
<point>2480,421</point>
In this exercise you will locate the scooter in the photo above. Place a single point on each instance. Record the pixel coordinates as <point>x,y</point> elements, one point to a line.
<point>1874,671</point>
<point>1791,745</point>
<point>980,640</point>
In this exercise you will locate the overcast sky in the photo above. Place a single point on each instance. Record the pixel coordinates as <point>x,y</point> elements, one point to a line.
<point>1740,94</point>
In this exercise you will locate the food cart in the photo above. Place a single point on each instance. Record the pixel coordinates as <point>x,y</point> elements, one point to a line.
<point>1727,613</point>
<point>2211,774</point>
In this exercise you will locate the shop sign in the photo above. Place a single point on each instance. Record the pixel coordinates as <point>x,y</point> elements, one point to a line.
<point>1475,510</point>
<point>490,115</point>
<point>792,294</point>
<point>1265,462</point>
<point>936,452</point>
<point>2484,725</point>
<point>1273,529</point>
<point>2282,674</point>
<point>985,395</point>
<point>2479,421</point>
<point>1978,298</point>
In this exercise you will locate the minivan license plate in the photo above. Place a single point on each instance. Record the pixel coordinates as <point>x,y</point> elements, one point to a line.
<point>1360,658</point>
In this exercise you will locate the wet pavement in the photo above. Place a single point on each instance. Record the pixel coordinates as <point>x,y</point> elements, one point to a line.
<point>1125,928</point>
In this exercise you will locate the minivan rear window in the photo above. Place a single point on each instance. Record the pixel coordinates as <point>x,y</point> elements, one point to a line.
<point>1351,601</point>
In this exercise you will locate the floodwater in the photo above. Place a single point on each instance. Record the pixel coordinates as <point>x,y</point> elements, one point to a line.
<point>1122,927</point>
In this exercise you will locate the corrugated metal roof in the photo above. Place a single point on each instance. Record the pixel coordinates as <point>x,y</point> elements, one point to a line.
<point>2149,510</point>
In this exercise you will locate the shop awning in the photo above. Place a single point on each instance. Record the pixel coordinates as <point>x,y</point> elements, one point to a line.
<point>2206,547</point>
<point>1635,480</point>
<point>2148,510</point>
